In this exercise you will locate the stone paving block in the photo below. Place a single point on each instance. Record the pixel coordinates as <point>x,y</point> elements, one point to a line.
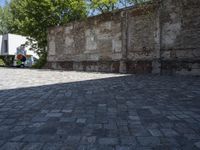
<point>123,148</point>
<point>111,126</point>
<point>81,120</point>
<point>33,146</point>
<point>172,117</point>
<point>8,121</point>
<point>6,135</point>
<point>193,136</point>
<point>105,147</point>
<point>182,116</point>
<point>61,131</point>
<point>37,125</point>
<point>31,138</point>
<point>12,146</point>
<point>87,132</point>
<point>170,141</point>
<point>197,144</point>
<point>148,141</point>
<point>67,147</point>
<point>140,132</point>
<point>55,111</point>
<point>169,132</point>
<point>17,138</point>
<point>67,110</point>
<point>167,125</point>
<point>101,105</point>
<point>68,94</point>
<point>1,143</point>
<point>86,147</point>
<point>98,111</point>
<point>40,119</point>
<point>47,138</point>
<point>67,120</point>
<point>128,140</point>
<point>47,130</point>
<point>54,114</point>
<point>143,148</point>
<point>108,141</point>
<point>44,111</point>
<point>155,132</point>
<point>17,128</point>
<point>88,140</point>
<point>134,118</point>
<point>73,140</point>
<point>52,146</point>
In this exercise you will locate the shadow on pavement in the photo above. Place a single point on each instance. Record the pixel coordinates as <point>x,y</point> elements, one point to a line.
<point>133,112</point>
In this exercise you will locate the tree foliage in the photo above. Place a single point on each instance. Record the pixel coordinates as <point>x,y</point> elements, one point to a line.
<point>33,17</point>
<point>103,6</point>
<point>6,18</point>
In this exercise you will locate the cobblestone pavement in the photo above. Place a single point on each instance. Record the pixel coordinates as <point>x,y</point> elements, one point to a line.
<point>54,110</point>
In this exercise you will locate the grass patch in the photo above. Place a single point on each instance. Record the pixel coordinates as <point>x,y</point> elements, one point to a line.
<point>2,63</point>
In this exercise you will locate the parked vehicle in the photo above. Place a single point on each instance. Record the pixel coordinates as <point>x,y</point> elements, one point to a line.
<point>22,59</point>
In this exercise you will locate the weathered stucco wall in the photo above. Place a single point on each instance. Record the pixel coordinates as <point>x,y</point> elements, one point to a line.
<point>164,39</point>
<point>180,36</point>
<point>92,45</point>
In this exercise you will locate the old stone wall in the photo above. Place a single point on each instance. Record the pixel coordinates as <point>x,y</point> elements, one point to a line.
<point>180,36</point>
<point>91,45</point>
<point>164,38</point>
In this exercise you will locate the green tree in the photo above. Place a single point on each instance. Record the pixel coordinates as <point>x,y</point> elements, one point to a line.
<point>32,18</point>
<point>5,19</point>
<point>103,6</point>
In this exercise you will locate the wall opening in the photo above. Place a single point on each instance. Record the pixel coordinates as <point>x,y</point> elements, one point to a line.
<point>5,46</point>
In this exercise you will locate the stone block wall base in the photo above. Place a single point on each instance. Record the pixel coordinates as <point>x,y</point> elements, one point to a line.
<point>165,67</point>
<point>183,67</point>
<point>133,67</point>
<point>95,66</point>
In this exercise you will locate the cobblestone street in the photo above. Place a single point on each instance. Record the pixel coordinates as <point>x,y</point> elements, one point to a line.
<point>60,110</point>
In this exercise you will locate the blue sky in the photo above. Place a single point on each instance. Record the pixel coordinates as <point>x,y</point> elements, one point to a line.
<point>2,2</point>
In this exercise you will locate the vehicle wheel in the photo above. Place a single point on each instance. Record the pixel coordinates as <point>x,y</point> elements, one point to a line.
<point>22,66</point>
